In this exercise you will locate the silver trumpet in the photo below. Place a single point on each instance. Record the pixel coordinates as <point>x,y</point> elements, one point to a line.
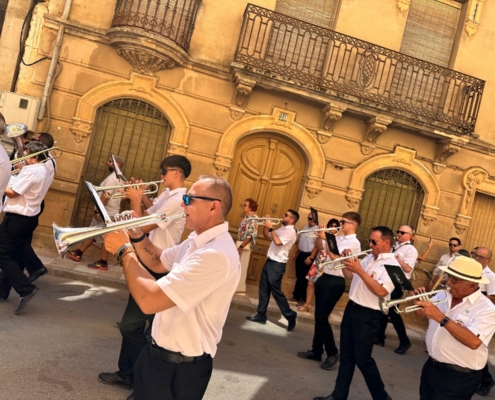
<point>321,265</point>
<point>312,232</point>
<point>275,221</point>
<point>385,305</point>
<point>155,185</point>
<point>67,237</point>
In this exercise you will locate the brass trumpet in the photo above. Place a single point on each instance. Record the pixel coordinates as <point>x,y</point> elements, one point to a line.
<point>67,237</point>
<point>321,265</point>
<point>386,305</point>
<point>312,232</point>
<point>275,221</point>
<point>120,195</point>
<point>57,153</point>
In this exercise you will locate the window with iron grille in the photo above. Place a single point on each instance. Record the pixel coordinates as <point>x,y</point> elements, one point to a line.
<point>132,129</point>
<point>391,198</point>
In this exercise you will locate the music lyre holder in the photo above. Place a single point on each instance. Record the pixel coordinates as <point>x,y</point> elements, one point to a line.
<point>398,278</point>
<point>118,171</point>
<point>332,243</point>
<point>99,205</point>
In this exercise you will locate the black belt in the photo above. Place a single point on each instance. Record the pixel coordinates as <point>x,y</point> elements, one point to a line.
<point>173,356</point>
<point>451,367</point>
<point>278,262</point>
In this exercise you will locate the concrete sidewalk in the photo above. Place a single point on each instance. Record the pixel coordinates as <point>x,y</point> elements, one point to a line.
<point>65,267</point>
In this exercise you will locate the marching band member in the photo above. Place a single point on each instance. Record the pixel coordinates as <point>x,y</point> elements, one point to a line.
<point>406,254</point>
<point>329,288</point>
<point>191,302</point>
<point>458,334</point>
<point>454,247</point>
<point>5,165</point>
<point>174,170</point>
<point>362,316</point>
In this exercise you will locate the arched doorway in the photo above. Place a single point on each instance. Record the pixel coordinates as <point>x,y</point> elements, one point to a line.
<point>392,198</point>
<point>128,127</point>
<point>270,169</point>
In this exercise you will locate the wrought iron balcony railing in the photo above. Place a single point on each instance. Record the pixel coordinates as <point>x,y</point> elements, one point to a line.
<point>173,19</point>
<point>299,53</point>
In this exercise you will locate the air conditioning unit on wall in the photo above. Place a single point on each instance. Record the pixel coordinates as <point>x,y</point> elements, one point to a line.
<point>20,109</point>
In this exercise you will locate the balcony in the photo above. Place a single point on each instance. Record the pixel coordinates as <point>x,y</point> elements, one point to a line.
<point>153,34</point>
<point>295,54</point>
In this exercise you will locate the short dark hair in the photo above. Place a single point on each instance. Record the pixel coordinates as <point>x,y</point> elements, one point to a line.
<point>177,161</point>
<point>295,214</point>
<point>464,252</point>
<point>253,205</point>
<point>35,147</point>
<point>353,216</point>
<point>219,188</point>
<point>457,239</point>
<point>333,221</point>
<point>46,139</point>
<point>386,233</point>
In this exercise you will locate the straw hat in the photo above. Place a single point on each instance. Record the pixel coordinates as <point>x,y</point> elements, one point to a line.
<point>465,268</point>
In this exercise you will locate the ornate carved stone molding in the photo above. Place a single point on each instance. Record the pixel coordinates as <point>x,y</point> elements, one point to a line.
<point>472,179</point>
<point>462,223</point>
<point>403,5</point>
<point>80,129</point>
<point>374,128</point>
<point>445,149</point>
<point>353,197</point>
<point>243,88</point>
<point>473,17</point>
<point>313,187</point>
<point>429,214</point>
<point>177,149</point>
<point>145,62</point>
<point>222,164</point>
<point>330,115</point>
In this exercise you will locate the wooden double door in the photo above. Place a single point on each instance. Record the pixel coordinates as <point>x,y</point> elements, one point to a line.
<point>269,169</point>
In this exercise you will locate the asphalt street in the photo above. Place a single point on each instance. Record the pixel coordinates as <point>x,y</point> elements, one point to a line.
<point>66,336</point>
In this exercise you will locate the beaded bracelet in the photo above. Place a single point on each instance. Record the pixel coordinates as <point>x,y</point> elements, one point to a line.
<point>122,248</point>
<point>139,239</point>
<point>125,253</point>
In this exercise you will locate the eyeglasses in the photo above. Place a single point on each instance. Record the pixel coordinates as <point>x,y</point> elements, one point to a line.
<point>343,221</point>
<point>454,279</point>
<point>310,219</point>
<point>244,205</point>
<point>164,171</point>
<point>476,256</point>
<point>288,215</point>
<point>453,245</point>
<point>403,233</point>
<point>372,241</point>
<point>186,198</point>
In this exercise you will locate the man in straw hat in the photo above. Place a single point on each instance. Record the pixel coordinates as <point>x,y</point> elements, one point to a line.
<point>458,335</point>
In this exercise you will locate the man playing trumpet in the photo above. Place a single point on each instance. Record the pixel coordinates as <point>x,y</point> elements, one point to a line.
<point>458,335</point>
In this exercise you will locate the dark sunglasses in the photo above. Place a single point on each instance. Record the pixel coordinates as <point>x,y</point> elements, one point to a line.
<point>186,198</point>
<point>372,241</point>
<point>164,171</point>
<point>342,222</point>
<point>310,219</point>
<point>476,256</point>
<point>454,279</point>
<point>403,233</point>
<point>453,245</point>
<point>333,226</point>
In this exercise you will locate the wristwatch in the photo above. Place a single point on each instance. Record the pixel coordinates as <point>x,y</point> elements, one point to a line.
<point>444,321</point>
<point>270,230</point>
<point>241,246</point>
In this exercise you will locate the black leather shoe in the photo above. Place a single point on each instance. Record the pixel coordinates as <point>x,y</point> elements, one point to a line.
<point>483,390</point>
<point>37,274</point>
<point>257,318</point>
<point>309,355</point>
<point>380,343</point>
<point>403,348</point>
<point>131,397</point>
<point>292,323</point>
<point>325,398</point>
<point>26,299</point>
<point>117,379</point>
<point>330,362</point>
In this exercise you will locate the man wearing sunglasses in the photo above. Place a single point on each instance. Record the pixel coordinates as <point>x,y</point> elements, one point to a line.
<point>406,254</point>
<point>454,247</point>
<point>458,334</point>
<point>191,302</point>
<point>484,256</point>
<point>173,170</point>
<point>362,315</point>
<point>273,271</point>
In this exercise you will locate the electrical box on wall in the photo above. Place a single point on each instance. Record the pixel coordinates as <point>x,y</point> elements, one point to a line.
<point>20,109</point>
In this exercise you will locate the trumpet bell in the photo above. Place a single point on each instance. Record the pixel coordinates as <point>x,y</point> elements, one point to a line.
<point>383,305</point>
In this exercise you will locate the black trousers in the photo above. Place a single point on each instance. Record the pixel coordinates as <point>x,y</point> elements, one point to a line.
<point>15,231</point>
<point>396,320</point>
<point>357,335</point>
<point>486,377</point>
<point>30,260</point>
<point>328,291</point>
<point>157,379</point>
<point>442,384</point>
<point>132,329</point>
<point>270,283</point>
<point>301,272</point>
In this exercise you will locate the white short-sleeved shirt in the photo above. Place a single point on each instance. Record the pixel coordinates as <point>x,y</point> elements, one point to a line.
<point>50,166</point>
<point>113,205</point>
<point>287,235</point>
<point>204,273</point>
<point>306,244</point>
<point>168,233</point>
<point>359,292</point>
<point>29,186</point>
<point>477,313</point>
<point>343,242</point>
<point>5,168</point>
<point>488,288</point>
<point>408,254</point>
<point>444,260</point>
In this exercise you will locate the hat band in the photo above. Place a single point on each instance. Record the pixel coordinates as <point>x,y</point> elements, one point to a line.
<point>466,275</point>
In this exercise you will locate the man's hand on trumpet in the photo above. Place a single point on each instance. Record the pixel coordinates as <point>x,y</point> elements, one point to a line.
<point>268,223</point>
<point>428,309</point>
